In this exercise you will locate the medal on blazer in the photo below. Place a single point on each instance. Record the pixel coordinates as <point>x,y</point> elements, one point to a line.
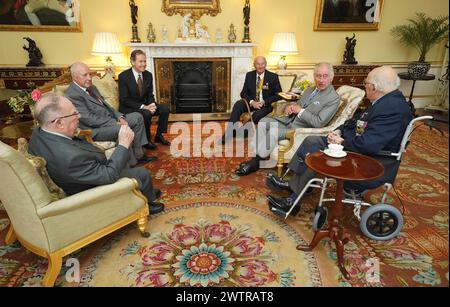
<point>266,87</point>
<point>361,125</point>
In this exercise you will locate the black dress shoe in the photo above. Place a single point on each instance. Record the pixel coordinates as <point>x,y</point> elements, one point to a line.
<point>150,146</point>
<point>146,159</point>
<point>155,207</point>
<point>160,139</point>
<point>247,168</point>
<point>275,183</point>
<point>283,204</point>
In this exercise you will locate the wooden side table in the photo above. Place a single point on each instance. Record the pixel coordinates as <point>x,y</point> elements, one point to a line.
<point>354,167</point>
<point>407,76</point>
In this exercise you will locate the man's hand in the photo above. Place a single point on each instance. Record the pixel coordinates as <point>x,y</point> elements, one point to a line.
<point>293,109</point>
<point>257,104</point>
<point>126,136</point>
<point>334,137</point>
<point>151,108</point>
<point>122,122</point>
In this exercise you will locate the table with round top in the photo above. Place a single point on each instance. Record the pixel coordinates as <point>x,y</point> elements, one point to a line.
<point>353,167</point>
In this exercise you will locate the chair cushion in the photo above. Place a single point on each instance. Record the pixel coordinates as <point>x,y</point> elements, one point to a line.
<point>39,164</point>
<point>108,88</point>
<point>60,89</point>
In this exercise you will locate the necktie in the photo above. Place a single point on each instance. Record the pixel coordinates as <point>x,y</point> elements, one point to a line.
<point>92,94</point>
<point>313,94</point>
<point>259,83</point>
<point>140,84</point>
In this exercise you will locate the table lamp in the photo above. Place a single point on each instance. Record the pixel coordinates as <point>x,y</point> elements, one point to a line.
<point>107,44</point>
<point>284,43</point>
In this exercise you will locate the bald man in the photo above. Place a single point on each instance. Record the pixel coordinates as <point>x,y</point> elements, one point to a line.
<point>379,129</point>
<point>98,116</point>
<point>261,88</point>
<point>76,165</point>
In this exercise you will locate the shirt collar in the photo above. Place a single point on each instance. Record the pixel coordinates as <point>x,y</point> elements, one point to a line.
<point>58,134</point>
<point>83,88</point>
<point>261,76</point>
<point>136,74</point>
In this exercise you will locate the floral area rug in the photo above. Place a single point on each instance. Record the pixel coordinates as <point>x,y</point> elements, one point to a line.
<point>217,231</point>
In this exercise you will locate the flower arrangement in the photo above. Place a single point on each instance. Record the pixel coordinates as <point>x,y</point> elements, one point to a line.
<point>302,85</point>
<point>17,103</point>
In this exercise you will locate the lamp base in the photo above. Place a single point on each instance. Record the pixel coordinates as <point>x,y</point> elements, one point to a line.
<point>282,64</point>
<point>110,67</point>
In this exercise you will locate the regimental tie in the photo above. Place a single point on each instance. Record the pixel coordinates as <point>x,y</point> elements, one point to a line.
<point>140,84</point>
<point>93,95</point>
<point>259,85</point>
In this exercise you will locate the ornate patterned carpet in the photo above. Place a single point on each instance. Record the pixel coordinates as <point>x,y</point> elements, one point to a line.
<point>217,231</point>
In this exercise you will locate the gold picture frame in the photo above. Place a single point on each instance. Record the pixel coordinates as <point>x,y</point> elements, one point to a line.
<point>348,15</point>
<point>196,7</point>
<point>48,16</point>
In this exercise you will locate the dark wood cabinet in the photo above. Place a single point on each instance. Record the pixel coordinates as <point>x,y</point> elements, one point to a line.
<point>23,78</point>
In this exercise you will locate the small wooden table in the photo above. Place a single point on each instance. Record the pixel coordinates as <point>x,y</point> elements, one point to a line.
<point>353,167</point>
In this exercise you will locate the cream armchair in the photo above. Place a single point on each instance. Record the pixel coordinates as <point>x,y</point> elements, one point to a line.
<point>55,228</point>
<point>350,98</point>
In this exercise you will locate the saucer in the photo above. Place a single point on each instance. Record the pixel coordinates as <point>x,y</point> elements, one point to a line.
<point>339,154</point>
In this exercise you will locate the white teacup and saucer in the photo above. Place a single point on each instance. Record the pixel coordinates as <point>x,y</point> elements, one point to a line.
<point>335,151</point>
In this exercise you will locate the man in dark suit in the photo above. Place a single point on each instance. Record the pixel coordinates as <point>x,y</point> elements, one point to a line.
<point>76,165</point>
<point>136,95</point>
<point>101,118</point>
<point>261,88</point>
<point>379,129</point>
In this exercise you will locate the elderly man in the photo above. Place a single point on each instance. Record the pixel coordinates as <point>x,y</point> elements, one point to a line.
<point>314,110</point>
<point>261,88</point>
<point>103,120</point>
<point>76,165</point>
<point>380,128</point>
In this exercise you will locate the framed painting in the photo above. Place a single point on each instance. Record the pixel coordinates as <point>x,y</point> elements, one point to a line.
<point>40,15</point>
<point>347,15</point>
<point>196,7</point>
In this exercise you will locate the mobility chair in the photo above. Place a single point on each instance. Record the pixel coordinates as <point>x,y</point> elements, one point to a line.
<point>379,222</point>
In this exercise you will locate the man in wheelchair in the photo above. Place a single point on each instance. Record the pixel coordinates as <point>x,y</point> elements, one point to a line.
<point>378,131</point>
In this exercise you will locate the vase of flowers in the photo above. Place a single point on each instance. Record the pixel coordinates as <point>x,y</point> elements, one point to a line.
<point>25,99</point>
<point>301,85</point>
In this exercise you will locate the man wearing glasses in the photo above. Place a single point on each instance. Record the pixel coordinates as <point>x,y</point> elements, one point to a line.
<point>379,129</point>
<point>314,110</point>
<point>76,165</point>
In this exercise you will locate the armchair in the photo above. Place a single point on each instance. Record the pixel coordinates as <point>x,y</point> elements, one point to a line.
<point>55,228</point>
<point>350,98</point>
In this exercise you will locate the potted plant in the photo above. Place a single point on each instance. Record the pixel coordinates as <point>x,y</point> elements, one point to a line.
<point>25,98</point>
<point>422,33</point>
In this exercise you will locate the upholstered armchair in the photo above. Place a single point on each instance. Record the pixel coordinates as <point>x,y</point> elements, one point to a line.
<point>52,227</point>
<point>350,98</point>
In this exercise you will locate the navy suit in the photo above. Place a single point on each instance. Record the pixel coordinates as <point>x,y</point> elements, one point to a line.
<point>131,100</point>
<point>270,90</point>
<point>381,128</point>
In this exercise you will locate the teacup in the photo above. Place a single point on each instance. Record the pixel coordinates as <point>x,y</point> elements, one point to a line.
<point>335,148</point>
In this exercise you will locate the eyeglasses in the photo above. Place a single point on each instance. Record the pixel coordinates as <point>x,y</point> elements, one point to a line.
<point>317,76</point>
<point>76,113</point>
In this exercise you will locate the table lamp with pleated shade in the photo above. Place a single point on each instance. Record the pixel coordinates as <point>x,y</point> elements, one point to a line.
<point>284,43</point>
<point>107,44</point>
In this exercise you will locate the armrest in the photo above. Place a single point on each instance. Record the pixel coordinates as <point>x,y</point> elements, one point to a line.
<point>87,198</point>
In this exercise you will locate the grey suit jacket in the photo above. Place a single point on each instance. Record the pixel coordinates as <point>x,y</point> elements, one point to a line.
<point>76,165</point>
<point>93,114</point>
<point>319,110</point>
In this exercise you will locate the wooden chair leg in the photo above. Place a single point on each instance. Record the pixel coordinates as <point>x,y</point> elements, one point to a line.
<point>280,163</point>
<point>54,267</point>
<point>142,224</point>
<point>10,236</point>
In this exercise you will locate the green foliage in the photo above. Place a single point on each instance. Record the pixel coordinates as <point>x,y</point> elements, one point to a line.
<point>17,103</point>
<point>422,33</point>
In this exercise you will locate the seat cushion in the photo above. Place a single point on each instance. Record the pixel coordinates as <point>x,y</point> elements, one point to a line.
<point>39,164</point>
<point>108,88</point>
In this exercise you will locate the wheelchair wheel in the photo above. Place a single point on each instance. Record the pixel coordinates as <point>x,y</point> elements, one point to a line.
<point>381,222</point>
<point>320,217</point>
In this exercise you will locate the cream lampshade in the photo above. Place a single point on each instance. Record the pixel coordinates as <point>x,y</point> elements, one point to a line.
<point>284,43</point>
<point>107,44</point>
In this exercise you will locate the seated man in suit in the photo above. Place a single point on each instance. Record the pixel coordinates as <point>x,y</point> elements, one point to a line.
<point>314,110</point>
<point>76,165</point>
<point>98,116</point>
<point>261,88</point>
<point>136,95</point>
<point>379,129</point>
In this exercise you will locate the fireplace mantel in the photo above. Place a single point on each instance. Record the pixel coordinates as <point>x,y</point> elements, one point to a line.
<point>241,56</point>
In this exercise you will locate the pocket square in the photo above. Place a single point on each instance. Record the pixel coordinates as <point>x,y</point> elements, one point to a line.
<point>316,102</point>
